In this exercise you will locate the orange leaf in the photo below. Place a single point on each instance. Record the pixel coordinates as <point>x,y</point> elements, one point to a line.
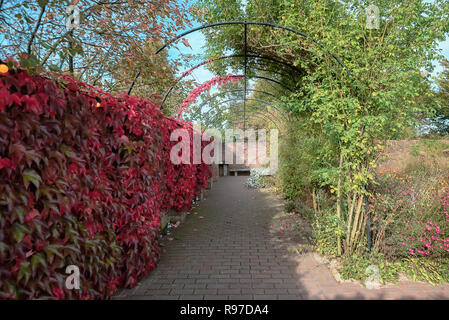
<point>186,43</point>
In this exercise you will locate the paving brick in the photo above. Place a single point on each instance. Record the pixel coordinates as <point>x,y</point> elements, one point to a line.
<point>229,291</point>
<point>253,291</point>
<point>192,297</point>
<point>181,292</point>
<point>241,297</point>
<point>265,297</point>
<point>215,297</point>
<point>157,291</point>
<point>217,285</point>
<point>289,297</point>
<point>206,291</point>
<point>231,255</point>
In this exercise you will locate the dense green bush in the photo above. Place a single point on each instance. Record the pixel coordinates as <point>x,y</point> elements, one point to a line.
<point>355,267</point>
<point>302,159</point>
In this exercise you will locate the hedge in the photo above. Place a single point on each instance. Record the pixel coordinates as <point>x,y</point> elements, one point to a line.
<point>84,177</point>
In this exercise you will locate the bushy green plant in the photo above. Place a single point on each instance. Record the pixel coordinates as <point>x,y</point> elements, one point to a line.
<point>258,178</point>
<point>422,269</point>
<point>325,229</point>
<point>410,222</point>
<point>326,225</point>
<point>301,163</point>
<point>355,267</point>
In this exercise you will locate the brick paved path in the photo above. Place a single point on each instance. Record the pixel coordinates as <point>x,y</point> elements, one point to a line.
<point>228,249</point>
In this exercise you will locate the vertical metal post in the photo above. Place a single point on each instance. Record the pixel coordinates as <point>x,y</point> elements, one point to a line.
<point>245,82</point>
<point>368,221</point>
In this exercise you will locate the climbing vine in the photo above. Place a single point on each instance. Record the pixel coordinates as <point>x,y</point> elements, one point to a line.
<point>84,178</point>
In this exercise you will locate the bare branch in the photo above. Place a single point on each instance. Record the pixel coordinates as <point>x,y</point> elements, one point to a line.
<point>36,28</point>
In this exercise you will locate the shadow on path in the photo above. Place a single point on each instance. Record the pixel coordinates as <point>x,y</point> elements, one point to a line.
<point>229,248</point>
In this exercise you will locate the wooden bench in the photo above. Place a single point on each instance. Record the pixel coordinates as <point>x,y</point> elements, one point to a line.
<point>236,171</point>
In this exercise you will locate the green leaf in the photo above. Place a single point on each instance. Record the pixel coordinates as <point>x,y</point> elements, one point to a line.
<point>19,212</point>
<point>29,62</point>
<point>24,271</point>
<point>19,231</point>
<point>3,247</point>
<point>54,68</point>
<point>52,250</point>
<point>38,259</point>
<point>42,3</point>
<point>30,175</point>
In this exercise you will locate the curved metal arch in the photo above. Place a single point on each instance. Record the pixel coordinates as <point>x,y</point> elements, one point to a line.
<point>261,118</point>
<point>282,74</point>
<point>252,90</point>
<point>263,57</point>
<point>272,80</point>
<point>234,90</point>
<point>250,117</point>
<point>240,111</point>
<point>251,114</point>
<point>273,25</point>
<point>258,117</point>
<point>245,23</point>
<point>284,115</point>
<point>250,77</point>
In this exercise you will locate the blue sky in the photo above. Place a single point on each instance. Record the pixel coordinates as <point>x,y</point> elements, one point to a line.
<point>444,46</point>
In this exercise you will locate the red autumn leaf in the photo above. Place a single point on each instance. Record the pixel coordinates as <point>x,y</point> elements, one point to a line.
<point>31,215</point>
<point>186,42</point>
<point>115,194</point>
<point>5,163</point>
<point>31,104</point>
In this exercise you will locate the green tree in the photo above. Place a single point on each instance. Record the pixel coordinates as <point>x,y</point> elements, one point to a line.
<point>383,96</point>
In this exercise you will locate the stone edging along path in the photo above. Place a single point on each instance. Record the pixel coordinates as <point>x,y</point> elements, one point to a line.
<point>234,246</point>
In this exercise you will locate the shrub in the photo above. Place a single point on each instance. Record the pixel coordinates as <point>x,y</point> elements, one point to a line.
<point>412,223</point>
<point>355,267</point>
<point>84,177</point>
<point>304,162</point>
<point>258,178</point>
<point>326,226</point>
<point>325,223</point>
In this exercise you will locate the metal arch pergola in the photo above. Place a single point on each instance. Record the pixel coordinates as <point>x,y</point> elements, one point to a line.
<point>253,56</point>
<point>245,55</point>
<point>240,90</point>
<point>215,96</point>
<point>245,77</point>
<point>215,119</point>
<point>252,116</point>
<point>250,113</point>
<point>272,25</point>
<point>284,115</point>
<point>236,110</point>
<point>245,23</point>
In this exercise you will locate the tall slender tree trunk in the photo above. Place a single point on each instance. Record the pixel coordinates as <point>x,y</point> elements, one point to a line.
<point>357,223</point>
<point>339,203</point>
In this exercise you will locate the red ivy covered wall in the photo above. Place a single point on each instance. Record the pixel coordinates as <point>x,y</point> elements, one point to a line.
<point>84,177</point>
